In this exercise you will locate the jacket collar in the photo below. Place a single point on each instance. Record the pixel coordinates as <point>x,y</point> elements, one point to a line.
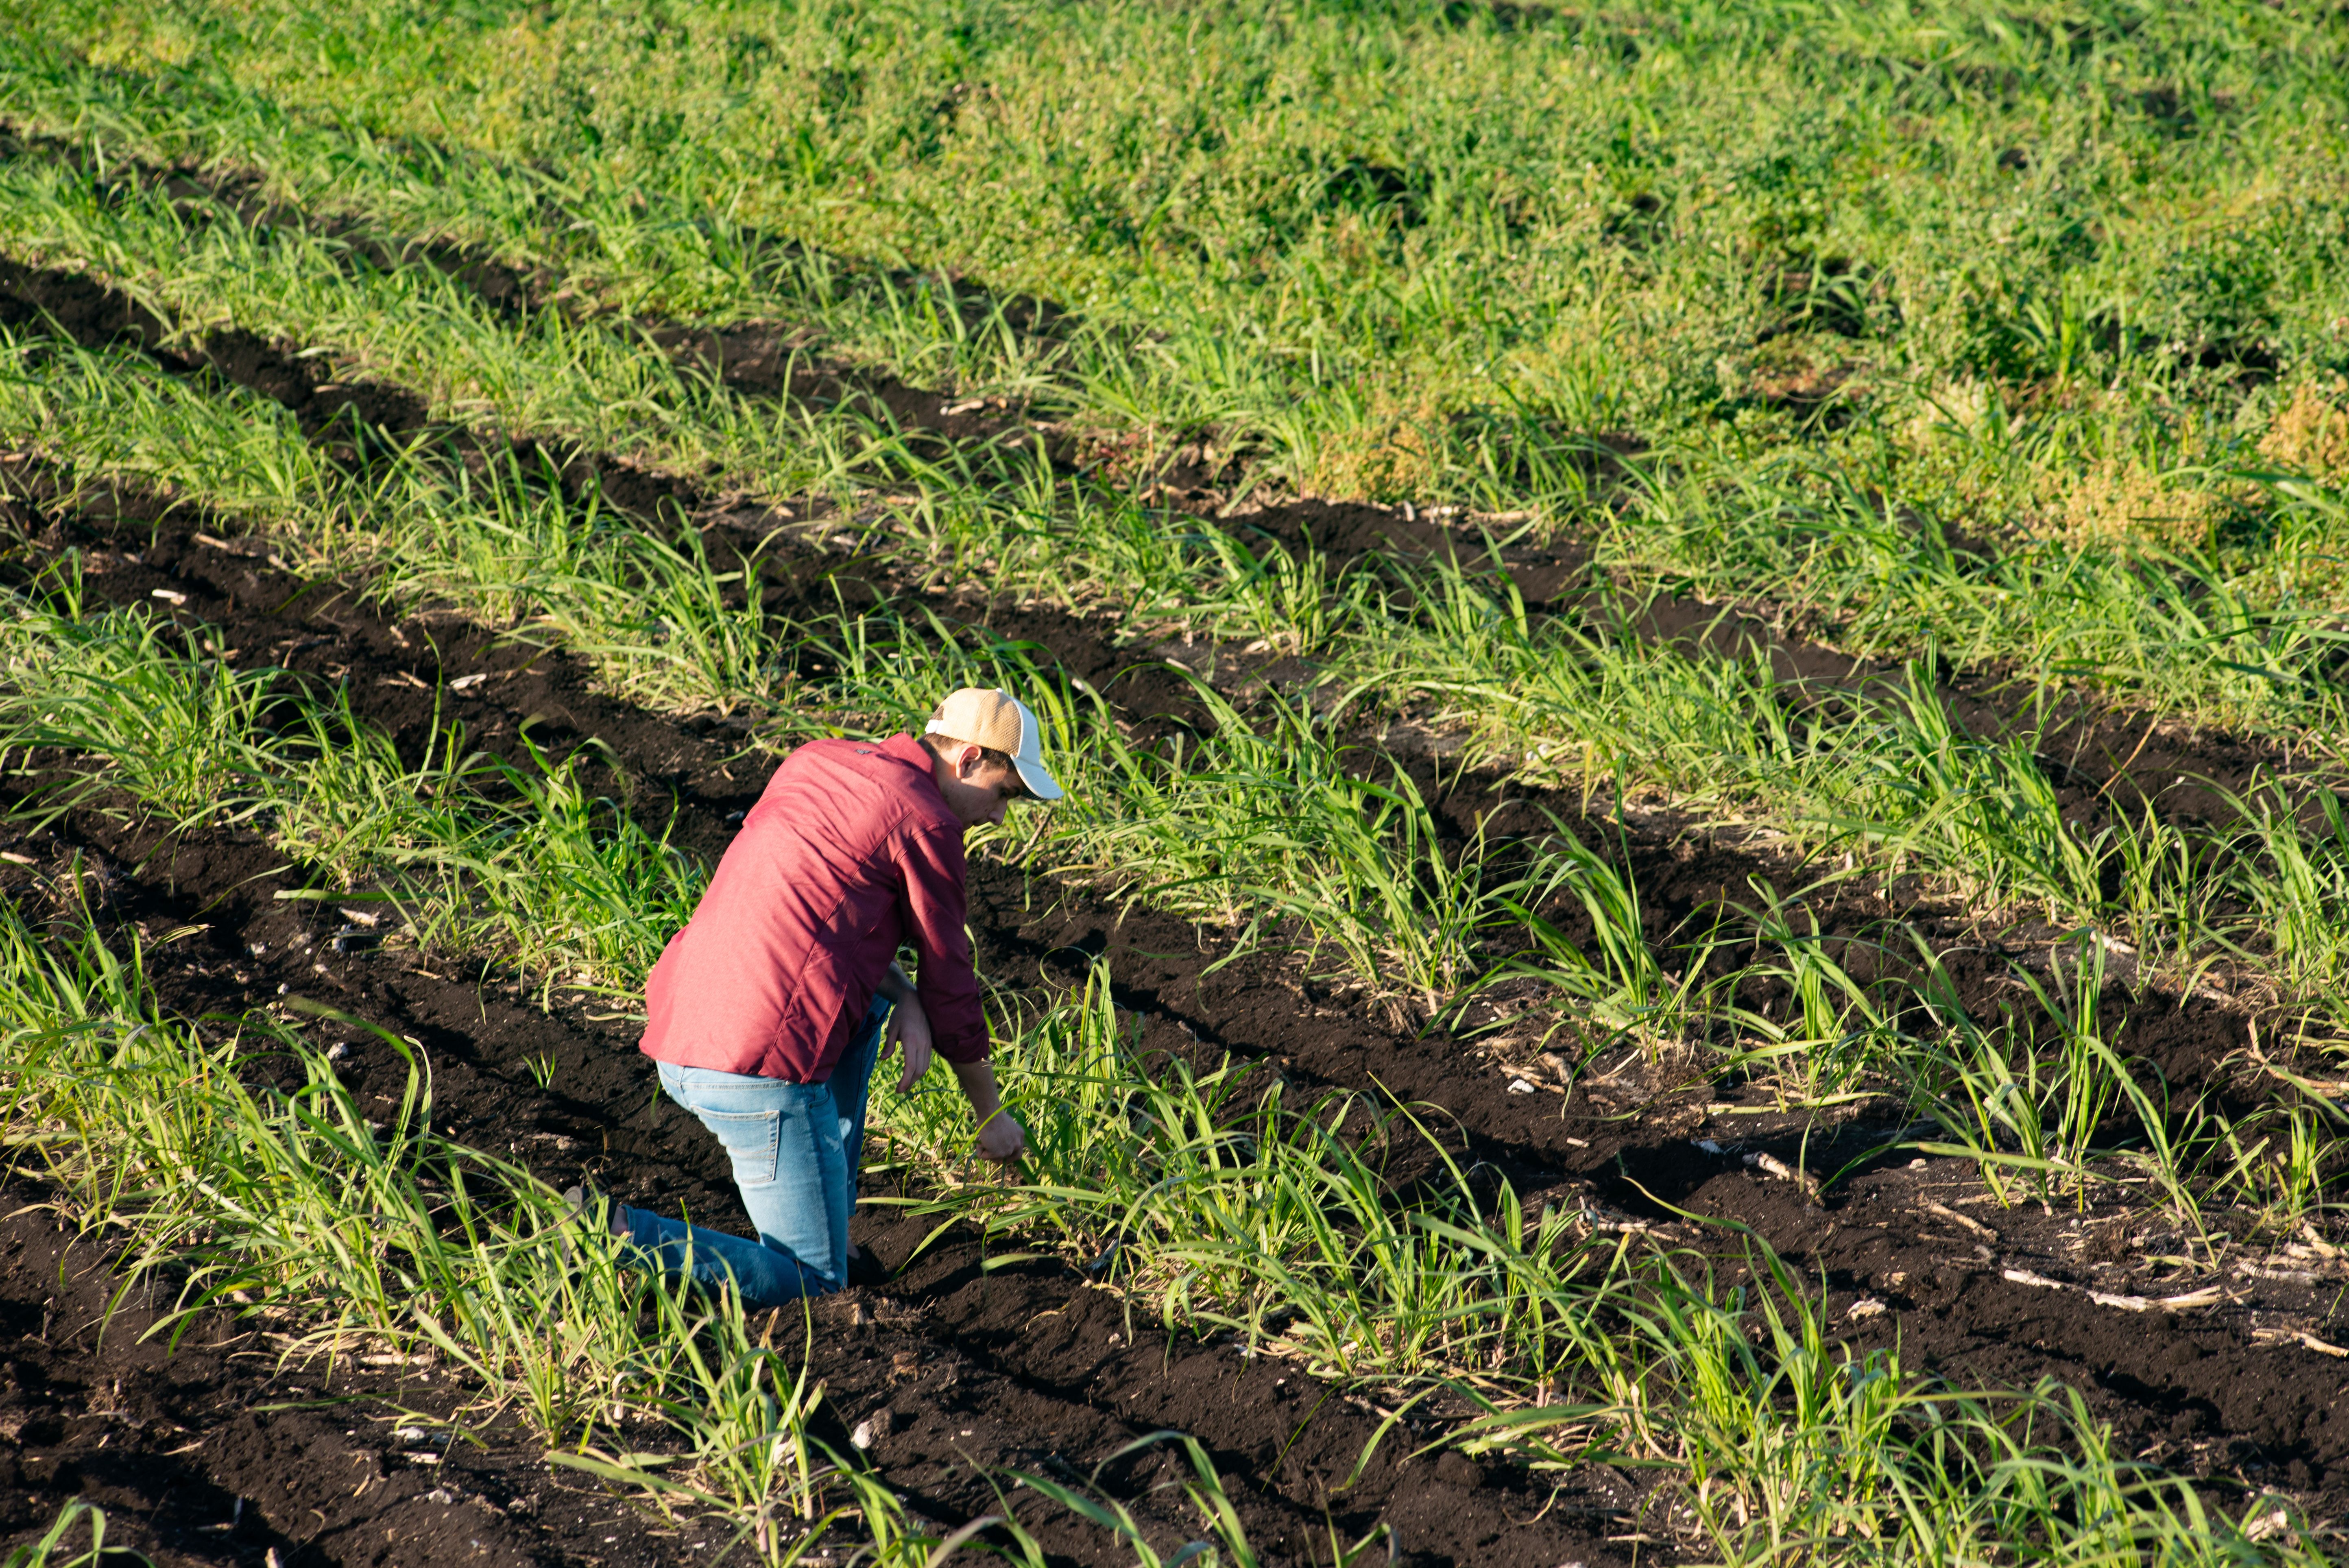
<point>908,750</point>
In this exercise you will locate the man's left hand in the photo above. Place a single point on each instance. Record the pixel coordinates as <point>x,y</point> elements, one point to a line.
<point>910,1027</point>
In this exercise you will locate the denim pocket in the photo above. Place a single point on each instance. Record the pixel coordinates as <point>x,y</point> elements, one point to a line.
<point>751,1139</point>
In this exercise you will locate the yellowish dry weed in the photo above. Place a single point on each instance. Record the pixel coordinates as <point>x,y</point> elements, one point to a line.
<point>2312,432</point>
<point>2125,502</point>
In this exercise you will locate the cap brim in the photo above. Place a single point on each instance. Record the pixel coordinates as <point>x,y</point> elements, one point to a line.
<point>1040,784</point>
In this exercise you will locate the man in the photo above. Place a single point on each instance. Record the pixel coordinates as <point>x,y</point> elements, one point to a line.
<point>769,1010</point>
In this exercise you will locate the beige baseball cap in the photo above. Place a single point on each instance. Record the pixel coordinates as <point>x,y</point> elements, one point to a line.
<point>1000,722</point>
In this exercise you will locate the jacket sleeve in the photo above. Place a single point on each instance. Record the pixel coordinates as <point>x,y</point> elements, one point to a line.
<point>937,906</point>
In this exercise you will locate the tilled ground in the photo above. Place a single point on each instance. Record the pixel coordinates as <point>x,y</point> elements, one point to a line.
<point>214,1449</point>
<point>1027,1367</point>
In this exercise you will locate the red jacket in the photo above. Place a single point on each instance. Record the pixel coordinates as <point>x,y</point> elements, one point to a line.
<point>849,853</point>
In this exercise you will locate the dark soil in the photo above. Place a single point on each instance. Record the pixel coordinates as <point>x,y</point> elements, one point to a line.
<point>1025,1362</point>
<point>216,1451</point>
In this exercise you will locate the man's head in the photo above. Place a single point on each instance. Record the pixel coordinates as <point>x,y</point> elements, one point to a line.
<point>985,754</point>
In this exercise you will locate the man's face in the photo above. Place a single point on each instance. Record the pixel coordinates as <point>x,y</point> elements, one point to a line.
<point>975,790</point>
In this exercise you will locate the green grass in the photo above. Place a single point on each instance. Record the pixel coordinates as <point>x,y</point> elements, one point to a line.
<point>55,1549</point>
<point>1338,200</point>
<point>1560,701</point>
<point>473,854</point>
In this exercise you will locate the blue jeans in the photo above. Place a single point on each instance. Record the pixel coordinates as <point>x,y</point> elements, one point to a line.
<point>794,1148</point>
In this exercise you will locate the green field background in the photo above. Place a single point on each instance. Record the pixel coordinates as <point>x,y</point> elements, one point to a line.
<point>1395,247</point>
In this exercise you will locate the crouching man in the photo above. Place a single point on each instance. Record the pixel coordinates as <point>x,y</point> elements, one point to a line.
<point>768,1012</point>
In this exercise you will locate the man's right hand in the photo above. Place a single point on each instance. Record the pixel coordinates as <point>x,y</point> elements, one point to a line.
<point>1002,1139</point>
